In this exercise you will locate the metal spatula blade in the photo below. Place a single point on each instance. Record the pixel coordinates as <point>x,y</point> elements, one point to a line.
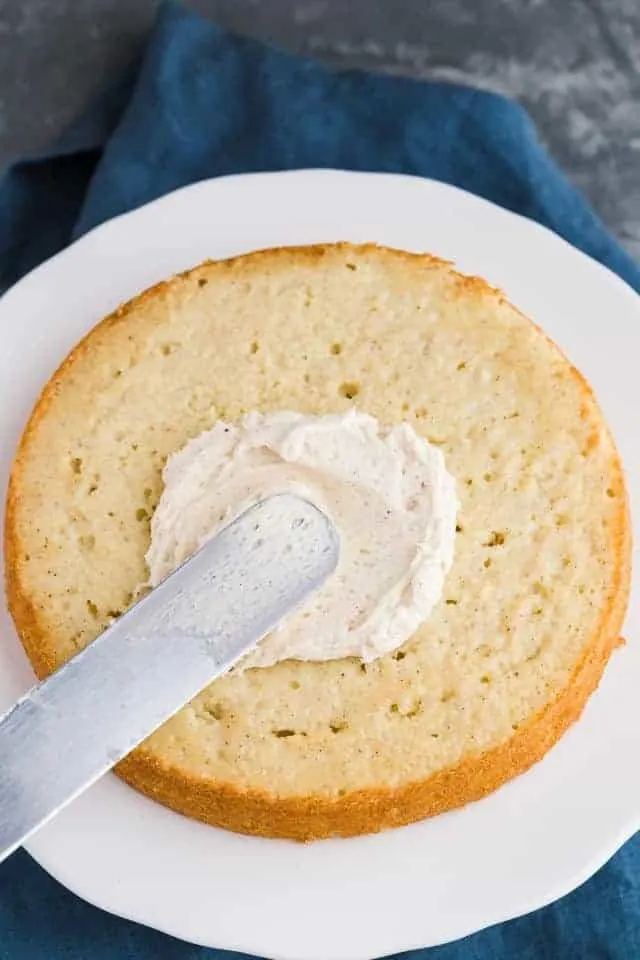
<point>69,730</point>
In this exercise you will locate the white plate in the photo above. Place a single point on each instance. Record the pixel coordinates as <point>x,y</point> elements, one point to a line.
<point>524,846</point>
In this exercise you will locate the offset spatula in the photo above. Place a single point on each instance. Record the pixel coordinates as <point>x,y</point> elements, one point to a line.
<point>70,729</point>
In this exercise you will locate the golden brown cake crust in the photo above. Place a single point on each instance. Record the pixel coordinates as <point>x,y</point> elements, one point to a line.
<point>256,810</point>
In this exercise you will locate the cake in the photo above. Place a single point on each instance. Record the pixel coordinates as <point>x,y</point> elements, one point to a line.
<point>532,607</point>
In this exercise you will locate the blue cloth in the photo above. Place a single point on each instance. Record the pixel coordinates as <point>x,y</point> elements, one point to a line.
<point>200,104</point>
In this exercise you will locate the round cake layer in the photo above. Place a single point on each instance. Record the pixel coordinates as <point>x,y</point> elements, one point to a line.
<point>532,606</point>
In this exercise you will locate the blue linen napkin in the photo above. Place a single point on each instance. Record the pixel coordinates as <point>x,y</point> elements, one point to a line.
<point>202,103</point>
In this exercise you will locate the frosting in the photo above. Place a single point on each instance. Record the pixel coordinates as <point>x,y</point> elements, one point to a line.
<point>387,491</point>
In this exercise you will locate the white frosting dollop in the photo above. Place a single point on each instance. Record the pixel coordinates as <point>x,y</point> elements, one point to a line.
<point>387,491</point>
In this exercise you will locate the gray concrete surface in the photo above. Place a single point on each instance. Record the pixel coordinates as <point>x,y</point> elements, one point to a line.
<point>575,64</point>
